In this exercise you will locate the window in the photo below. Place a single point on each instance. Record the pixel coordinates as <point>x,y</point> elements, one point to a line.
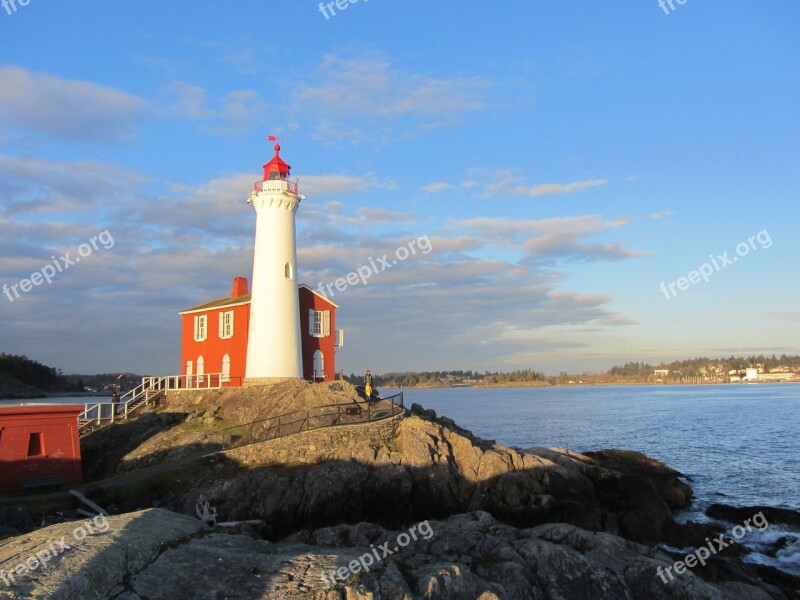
<point>35,445</point>
<point>200,328</point>
<point>288,271</point>
<point>226,325</point>
<point>319,323</point>
<point>226,368</point>
<point>319,365</point>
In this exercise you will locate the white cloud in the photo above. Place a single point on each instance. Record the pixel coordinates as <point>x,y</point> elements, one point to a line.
<point>661,215</point>
<point>38,186</point>
<point>352,99</point>
<point>505,183</point>
<point>555,240</point>
<point>236,112</point>
<point>62,109</point>
<point>436,187</point>
<point>317,186</point>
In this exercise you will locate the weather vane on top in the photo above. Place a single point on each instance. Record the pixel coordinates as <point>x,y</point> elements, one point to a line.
<point>272,138</point>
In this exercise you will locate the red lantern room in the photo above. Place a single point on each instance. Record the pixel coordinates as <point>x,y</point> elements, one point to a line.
<point>277,167</point>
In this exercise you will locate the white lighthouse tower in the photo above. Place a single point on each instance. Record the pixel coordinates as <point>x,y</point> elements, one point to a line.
<point>273,344</point>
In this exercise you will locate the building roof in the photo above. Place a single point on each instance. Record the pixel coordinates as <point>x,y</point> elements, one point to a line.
<point>220,303</point>
<point>318,295</point>
<point>245,299</point>
<point>41,409</point>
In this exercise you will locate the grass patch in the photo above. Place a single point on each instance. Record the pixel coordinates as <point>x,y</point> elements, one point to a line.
<point>393,446</point>
<point>215,427</point>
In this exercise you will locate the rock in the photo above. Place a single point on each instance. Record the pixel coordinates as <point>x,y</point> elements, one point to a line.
<point>14,520</point>
<point>691,535</point>
<point>160,555</point>
<point>417,409</point>
<point>104,450</point>
<point>738,515</point>
<point>98,566</point>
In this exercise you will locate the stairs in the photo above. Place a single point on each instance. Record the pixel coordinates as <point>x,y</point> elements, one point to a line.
<point>152,389</point>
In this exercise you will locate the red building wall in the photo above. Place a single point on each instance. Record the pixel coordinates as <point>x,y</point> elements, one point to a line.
<point>310,300</point>
<point>39,442</point>
<point>214,348</point>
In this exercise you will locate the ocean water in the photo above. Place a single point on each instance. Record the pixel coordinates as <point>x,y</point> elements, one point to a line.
<point>738,444</point>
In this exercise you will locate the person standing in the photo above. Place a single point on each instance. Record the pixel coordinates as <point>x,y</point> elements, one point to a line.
<point>114,403</point>
<point>368,384</point>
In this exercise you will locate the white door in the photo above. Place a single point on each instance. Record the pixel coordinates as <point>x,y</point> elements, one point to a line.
<point>201,370</point>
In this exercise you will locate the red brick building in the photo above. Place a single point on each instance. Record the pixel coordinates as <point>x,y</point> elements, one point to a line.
<point>39,445</point>
<point>214,336</point>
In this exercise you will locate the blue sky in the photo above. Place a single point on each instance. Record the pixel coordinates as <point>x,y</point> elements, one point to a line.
<point>563,159</point>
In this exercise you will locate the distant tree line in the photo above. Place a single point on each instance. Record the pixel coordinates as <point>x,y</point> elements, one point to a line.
<point>104,381</point>
<point>34,373</point>
<point>417,379</point>
<point>701,368</point>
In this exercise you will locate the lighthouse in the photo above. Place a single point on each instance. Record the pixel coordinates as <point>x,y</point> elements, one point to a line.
<point>273,342</point>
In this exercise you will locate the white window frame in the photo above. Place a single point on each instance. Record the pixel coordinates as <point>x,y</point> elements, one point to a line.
<point>226,325</point>
<point>319,323</point>
<point>200,328</point>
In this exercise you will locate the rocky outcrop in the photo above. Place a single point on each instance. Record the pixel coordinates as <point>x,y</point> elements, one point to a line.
<point>104,450</point>
<point>740,514</point>
<point>248,404</point>
<point>160,555</point>
<point>414,468</point>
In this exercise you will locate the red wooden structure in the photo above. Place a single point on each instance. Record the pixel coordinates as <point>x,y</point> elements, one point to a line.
<point>39,445</point>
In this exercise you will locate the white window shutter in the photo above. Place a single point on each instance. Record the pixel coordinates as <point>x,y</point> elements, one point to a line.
<point>326,327</point>
<point>311,322</point>
<point>230,326</point>
<point>221,325</point>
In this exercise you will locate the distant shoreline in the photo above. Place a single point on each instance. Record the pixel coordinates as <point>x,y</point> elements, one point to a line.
<point>513,384</point>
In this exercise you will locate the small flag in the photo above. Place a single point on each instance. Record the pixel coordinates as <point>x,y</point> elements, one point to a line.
<point>272,138</point>
<point>120,376</point>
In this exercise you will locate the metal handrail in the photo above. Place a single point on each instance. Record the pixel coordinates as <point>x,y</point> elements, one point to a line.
<point>272,185</point>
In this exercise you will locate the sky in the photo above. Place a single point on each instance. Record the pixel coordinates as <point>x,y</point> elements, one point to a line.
<point>532,172</point>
